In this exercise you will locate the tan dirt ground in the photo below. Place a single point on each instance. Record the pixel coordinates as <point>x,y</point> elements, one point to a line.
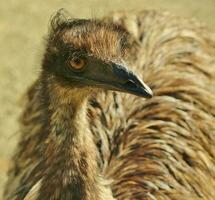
<point>23,23</point>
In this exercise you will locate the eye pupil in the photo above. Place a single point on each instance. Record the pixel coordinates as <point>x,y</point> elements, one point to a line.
<point>77,63</point>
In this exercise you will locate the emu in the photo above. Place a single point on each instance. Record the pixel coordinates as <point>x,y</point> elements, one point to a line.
<point>81,141</point>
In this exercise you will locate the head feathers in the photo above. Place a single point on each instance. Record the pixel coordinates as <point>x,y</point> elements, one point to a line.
<point>106,41</point>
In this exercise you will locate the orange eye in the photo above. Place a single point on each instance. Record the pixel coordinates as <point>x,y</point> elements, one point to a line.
<point>77,63</point>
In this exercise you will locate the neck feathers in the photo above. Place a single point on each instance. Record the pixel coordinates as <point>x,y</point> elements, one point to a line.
<point>71,169</point>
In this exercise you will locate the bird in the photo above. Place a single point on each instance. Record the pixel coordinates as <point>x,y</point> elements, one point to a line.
<point>86,132</point>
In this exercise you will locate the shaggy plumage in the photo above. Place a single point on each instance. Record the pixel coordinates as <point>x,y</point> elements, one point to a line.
<point>158,149</point>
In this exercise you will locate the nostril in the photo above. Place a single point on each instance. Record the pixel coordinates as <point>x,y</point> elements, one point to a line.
<point>130,83</point>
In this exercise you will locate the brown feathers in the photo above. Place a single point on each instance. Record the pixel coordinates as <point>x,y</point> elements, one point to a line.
<point>164,148</point>
<point>103,40</point>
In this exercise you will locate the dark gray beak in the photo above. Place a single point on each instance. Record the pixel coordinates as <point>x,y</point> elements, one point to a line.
<point>114,76</point>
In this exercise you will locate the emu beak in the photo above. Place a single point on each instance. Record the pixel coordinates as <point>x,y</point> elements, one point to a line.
<point>113,76</point>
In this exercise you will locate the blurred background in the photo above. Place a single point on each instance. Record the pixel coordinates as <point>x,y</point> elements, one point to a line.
<point>23,25</point>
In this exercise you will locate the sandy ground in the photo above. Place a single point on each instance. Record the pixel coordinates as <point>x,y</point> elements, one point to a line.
<point>23,23</point>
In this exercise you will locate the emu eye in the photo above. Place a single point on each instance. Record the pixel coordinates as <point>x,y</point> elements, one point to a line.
<point>77,63</point>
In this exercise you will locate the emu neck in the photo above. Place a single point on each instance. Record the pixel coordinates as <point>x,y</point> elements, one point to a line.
<point>71,157</point>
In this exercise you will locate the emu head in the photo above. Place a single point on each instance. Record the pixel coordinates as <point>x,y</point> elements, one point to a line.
<point>91,54</point>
